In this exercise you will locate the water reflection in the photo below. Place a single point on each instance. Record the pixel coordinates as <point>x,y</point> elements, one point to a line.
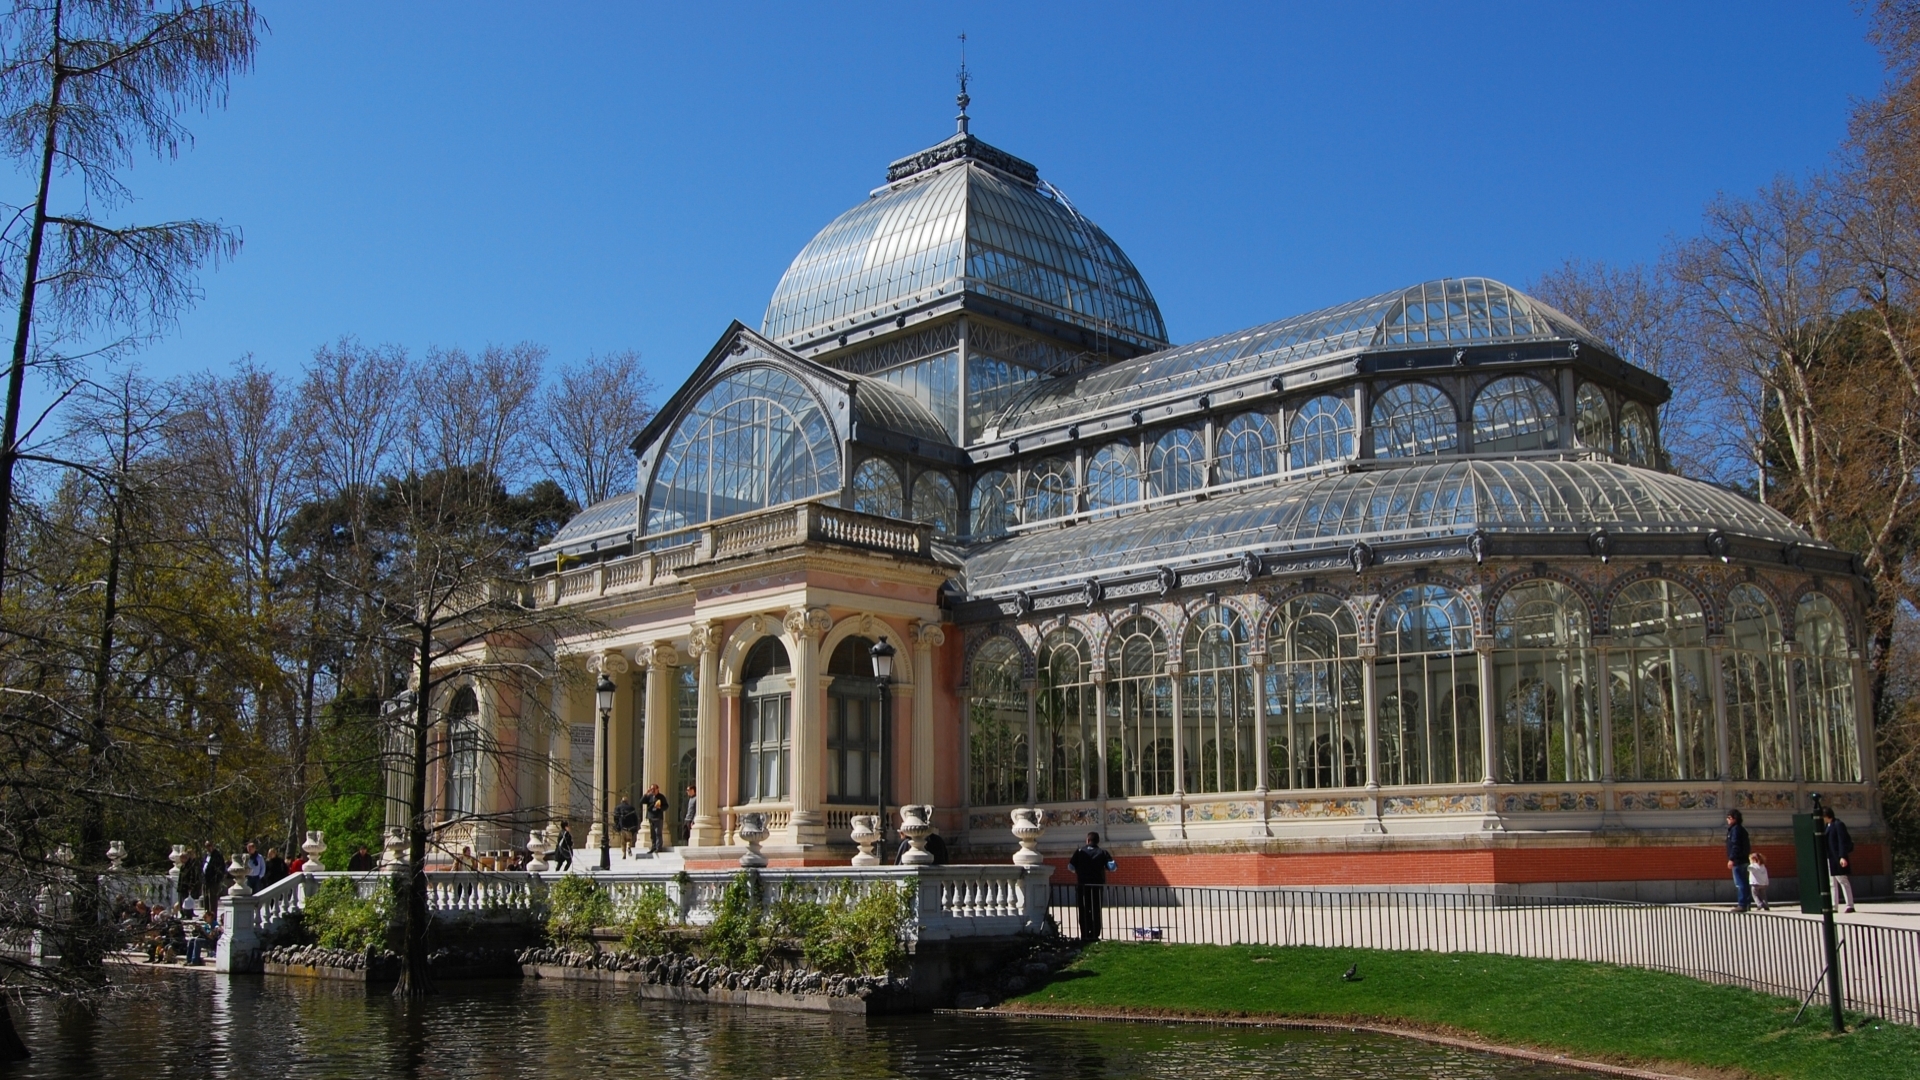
<point>206,1028</point>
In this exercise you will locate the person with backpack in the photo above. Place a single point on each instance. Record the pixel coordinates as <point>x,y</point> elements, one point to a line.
<point>1839,845</point>
<point>626,822</point>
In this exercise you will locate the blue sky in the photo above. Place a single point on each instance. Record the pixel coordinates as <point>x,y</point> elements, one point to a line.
<point>603,177</point>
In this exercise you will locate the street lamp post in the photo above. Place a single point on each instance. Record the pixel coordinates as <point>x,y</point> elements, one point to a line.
<point>214,747</point>
<point>882,654</point>
<point>603,690</point>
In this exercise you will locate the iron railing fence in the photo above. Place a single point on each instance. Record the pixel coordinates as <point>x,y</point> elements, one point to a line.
<point>1776,953</point>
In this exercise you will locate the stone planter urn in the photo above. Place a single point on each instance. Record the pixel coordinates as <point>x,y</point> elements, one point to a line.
<point>1027,828</point>
<point>116,855</point>
<point>538,845</point>
<point>393,853</point>
<point>866,833</point>
<point>916,822</point>
<point>237,870</point>
<point>315,847</point>
<point>752,832</point>
<point>63,854</point>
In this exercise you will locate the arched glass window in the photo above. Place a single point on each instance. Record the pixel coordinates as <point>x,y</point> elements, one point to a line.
<point>766,722</point>
<point>756,439</point>
<point>1518,412</point>
<point>1752,668</point>
<point>876,489</point>
<point>686,702</point>
<point>1546,684</point>
<point>1427,680</point>
<point>1049,490</point>
<point>1316,707</point>
<point>463,753</point>
<point>1593,418</point>
<point>1249,447</point>
<point>993,504</point>
<point>1823,676</point>
<point>1064,715</point>
<point>1662,701</point>
<point>1320,431</point>
<point>1113,477</point>
<point>935,503</point>
<point>1177,462</point>
<point>1636,435</point>
<point>997,726</point>
<point>1217,705</point>
<point>1413,419</point>
<point>1139,711</point>
<point>853,724</point>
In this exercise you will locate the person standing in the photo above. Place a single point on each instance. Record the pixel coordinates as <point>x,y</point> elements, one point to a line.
<point>1758,879</point>
<point>654,802</point>
<point>256,867</point>
<point>1739,850</point>
<point>1839,843</point>
<point>1090,865</point>
<point>213,876</point>
<point>563,851</point>
<point>626,821</point>
<point>275,867</point>
<point>361,861</point>
<point>687,811</point>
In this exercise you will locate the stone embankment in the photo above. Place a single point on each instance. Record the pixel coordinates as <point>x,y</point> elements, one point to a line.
<point>695,973</point>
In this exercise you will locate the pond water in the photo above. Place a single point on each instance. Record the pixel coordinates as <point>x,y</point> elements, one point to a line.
<point>203,1027</point>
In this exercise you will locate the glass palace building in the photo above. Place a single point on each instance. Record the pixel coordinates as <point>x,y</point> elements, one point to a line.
<point>1401,591</point>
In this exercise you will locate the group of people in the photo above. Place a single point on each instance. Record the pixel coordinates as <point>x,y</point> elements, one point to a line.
<point>182,933</point>
<point>1751,877</point>
<point>653,808</point>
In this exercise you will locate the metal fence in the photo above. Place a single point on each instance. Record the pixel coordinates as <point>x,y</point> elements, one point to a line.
<point>1773,953</point>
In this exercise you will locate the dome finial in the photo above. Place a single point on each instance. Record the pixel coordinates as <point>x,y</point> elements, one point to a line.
<point>962,98</point>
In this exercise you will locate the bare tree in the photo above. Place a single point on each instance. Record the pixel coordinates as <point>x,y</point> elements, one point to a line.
<point>85,86</point>
<point>588,418</point>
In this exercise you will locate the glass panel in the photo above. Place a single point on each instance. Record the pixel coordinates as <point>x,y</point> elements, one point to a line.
<point>1593,418</point>
<point>1139,711</point>
<point>1176,462</point>
<point>1113,477</point>
<point>1319,432</point>
<point>1412,419</point>
<point>1249,447</point>
<point>1546,683</point>
<point>1518,412</point>
<point>1636,435</point>
<point>1823,679</point>
<point>1217,705</point>
<point>1065,718</point>
<point>686,745</point>
<point>463,753</point>
<point>1662,701</point>
<point>992,385</point>
<point>1049,490</point>
<point>853,740</point>
<point>1427,681</point>
<point>997,727</point>
<point>993,504</point>
<point>755,439</point>
<point>1316,710</point>
<point>765,740</point>
<point>935,503</point>
<point>1752,668</point>
<point>876,489</point>
<point>933,382</point>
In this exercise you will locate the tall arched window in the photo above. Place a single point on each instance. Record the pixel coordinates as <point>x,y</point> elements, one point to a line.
<point>993,504</point>
<point>997,726</point>
<point>1427,680</point>
<point>1823,677</point>
<point>1593,418</point>
<point>1636,435</point>
<point>1064,716</point>
<point>876,489</point>
<point>1249,447</point>
<point>1515,413</point>
<point>1113,477</point>
<point>1320,431</point>
<point>463,753</point>
<point>1139,711</point>
<point>1752,668</point>
<point>755,439</point>
<point>1662,701</point>
<point>1546,684</point>
<point>686,703</point>
<point>766,722</point>
<point>1413,419</point>
<point>1177,462</point>
<point>1049,490</point>
<point>853,724</point>
<point>1316,707</point>
<point>1218,703</point>
<point>935,503</point>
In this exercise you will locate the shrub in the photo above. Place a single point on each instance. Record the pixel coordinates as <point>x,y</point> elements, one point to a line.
<point>737,936</point>
<point>575,906</point>
<point>861,930</point>
<point>646,921</point>
<point>338,917</point>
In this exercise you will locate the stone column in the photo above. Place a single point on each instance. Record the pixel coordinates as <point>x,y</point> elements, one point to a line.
<point>1099,675</point>
<point>926,638</point>
<point>805,627</point>
<point>1262,781</point>
<point>1176,675</point>
<point>703,644</point>
<point>1370,701</point>
<point>1796,767</point>
<point>1489,718</point>
<point>663,723</point>
<point>606,746</point>
<point>1033,741</point>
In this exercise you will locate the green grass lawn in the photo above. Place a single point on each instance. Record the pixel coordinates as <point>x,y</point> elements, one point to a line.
<point>1585,1010</point>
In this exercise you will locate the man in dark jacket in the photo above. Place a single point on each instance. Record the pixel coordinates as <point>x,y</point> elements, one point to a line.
<point>1090,865</point>
<point>626,822</point>
<point>1839,844</point>
<point>654,803</point>
<point>1739,848</point>
<point>563,851</point>
<point>361,861</point>
<point>212,869</point>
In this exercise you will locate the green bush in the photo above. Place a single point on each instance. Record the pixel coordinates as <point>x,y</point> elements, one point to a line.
<point>575,906</point>
<point>338,917</point>
<point>646,921</point>
<point>861,930</point>
<point>738,937</point>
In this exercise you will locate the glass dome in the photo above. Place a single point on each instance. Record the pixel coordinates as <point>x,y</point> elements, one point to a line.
<point>963,217</point>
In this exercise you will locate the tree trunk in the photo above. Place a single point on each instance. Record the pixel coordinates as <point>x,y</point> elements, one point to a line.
<point>414,981</point>
<point>11,1046</point>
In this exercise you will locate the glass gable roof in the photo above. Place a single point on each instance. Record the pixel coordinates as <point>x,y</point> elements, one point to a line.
<point>963,226</point>
<point>1462,311</point>
<point>615,517</point>
<point>1406,503</point>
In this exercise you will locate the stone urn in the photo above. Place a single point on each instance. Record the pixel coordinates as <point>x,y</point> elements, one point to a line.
<point>393,853</point>
<point>116,856</point>
<point>866,833</point>
<point>178,857</point>
<point>63,854</point>
<point>916,823</point>
<point>752,832</point>
<point>1027,828</point>
<point>315,847</point>
<point>237,870</point>
<point>538,845</point>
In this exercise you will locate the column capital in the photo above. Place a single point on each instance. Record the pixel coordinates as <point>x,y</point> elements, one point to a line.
<point>609,662</point>
<point>703,638</point>
<point>810,624</point>
<point>926,635</point>
<point>660,655</point>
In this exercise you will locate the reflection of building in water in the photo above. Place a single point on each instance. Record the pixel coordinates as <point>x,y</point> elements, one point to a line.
<point>1401,590</point>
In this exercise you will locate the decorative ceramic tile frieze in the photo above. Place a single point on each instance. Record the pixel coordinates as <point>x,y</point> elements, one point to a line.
<point>1224,811</point>
<point>1084,816</point>
<point>1305,808</point>
<point>1143,815</point>
<point>1780,799</point>
<point>989,821</point>
<point>1844,800</point>
<point>1702,799</point>
<point>1523,801</point>
<point>1433,804</point>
